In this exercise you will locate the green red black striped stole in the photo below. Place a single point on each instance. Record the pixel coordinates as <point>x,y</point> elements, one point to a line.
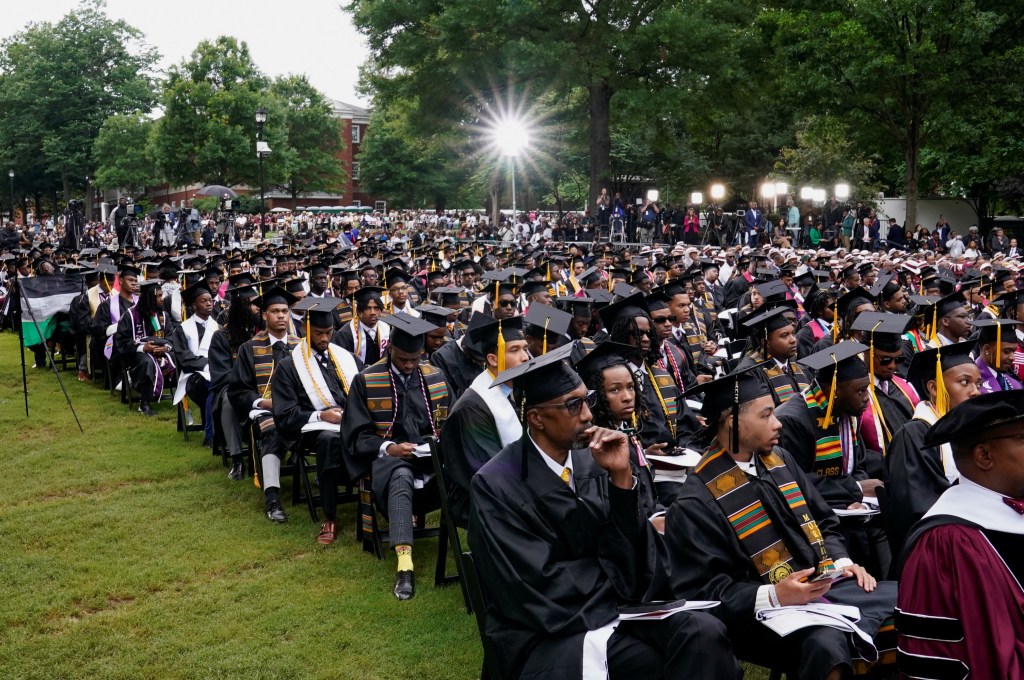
<point>828,446</point>
<point>263,359</point>
<point>739,501</point>
<point>380,395</point>
<point>782,382</point>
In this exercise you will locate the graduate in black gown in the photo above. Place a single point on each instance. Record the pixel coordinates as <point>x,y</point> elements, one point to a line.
<point>141,344</point>
<point>560,543</point>
<point>961,601</point>
<point>108,313</point>
<point>820,308</point>
<point>250,389</point>
<point>309,394</point>
<point>191,342</point>
<point>483,420</point>
<point>240,325</point>
<point>919,473</point>
<point>365,335</point>
<point>458,359</point>
<point>785,537</point>
<point>393,406</point>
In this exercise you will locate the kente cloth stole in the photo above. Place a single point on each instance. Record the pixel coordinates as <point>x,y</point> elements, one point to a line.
<point>667,391</point>
<point>834,447</point>
<point>382,404</point>
<point>738,499</point>
<point>916,341</point>
<point>782,382</point>
<point>263,360</point>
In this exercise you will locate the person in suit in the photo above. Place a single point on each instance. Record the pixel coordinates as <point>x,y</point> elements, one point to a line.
<point>754,221</point>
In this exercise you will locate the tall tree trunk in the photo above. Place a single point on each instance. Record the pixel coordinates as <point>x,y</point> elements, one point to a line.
<point>66,183</point>
<point>600,137</point>
<point>912,156</point>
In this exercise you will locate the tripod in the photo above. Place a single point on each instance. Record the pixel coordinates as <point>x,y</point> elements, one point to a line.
<point>49,356</point>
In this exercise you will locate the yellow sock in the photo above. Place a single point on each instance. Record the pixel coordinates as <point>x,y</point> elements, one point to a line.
<point>404,553</point>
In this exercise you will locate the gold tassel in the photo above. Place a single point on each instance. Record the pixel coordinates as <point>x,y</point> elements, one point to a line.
<point>309,340</point>
<point>184,307</point>
<point>941,395</point>
<point>501,350</point>
<point>832,391</point>
<point>835,329</point>
<point>933,333</point>
<point>544,350</point>
<point>999,345</point>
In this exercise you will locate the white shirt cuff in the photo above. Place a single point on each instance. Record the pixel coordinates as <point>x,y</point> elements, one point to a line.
<point>140,347</point>
<point>762,601</point>
<point>383,450</point>
<point>256,404</point>
<point>314,417</point>
<point>843,563</point>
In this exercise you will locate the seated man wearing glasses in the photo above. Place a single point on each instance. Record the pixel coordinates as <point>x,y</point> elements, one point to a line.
<point>560,543</point>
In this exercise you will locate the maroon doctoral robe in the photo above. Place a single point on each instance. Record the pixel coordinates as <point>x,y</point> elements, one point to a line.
<point>960,611</point>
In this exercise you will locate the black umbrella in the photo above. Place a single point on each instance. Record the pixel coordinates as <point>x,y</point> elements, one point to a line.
<point>216,190</point>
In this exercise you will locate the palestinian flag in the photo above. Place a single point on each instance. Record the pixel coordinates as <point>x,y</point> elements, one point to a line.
<point>42,298</point>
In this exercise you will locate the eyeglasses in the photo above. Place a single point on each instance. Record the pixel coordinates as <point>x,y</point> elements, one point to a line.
<point>506,303</point>
<point>574,405</point>
<point>885,361</point>
<point>663,319</point>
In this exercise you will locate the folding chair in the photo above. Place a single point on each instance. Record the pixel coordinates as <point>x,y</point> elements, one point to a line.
<point>441,577</point>
<point>490,669</point>
<point>302,487</point>
<point>184,427</point>
<point>373,537</point>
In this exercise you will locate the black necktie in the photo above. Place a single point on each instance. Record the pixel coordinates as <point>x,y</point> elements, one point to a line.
<point>200,329</point>
<point>372,350</point>
<point>279,349</point>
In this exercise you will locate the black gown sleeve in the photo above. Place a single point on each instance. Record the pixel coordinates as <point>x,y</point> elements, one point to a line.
<point>124,341</point>
<point>291,407</point>
<point>916,479</point>
<point>184,359</point>
<point>220,360</point>
<point>798,438</point>
<point>469,439</point>
<point>360,441</point>
<point>242,386</point>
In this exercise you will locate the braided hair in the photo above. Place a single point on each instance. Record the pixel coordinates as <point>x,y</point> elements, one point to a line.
<point>241,324</point>
<point>602,410</point>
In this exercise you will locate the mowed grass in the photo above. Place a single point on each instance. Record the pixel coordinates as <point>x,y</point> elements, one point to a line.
<point>127,553</point>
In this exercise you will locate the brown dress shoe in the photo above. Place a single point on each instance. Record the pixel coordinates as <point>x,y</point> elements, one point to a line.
<point>84,377</point>
<point>327,534</point>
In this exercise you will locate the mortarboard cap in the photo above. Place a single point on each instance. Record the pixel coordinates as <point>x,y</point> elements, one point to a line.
<point>544,317</point>
<point>436,314</point>
<point>605,355</point>
<point>275,295</point>
<point>631,306</point>
<point>841,360</point>
<point>320,310</point>
<point>996,329</point>
<point>407,331</point>
<point>192,293</point>
<point>974,419</point>
<point>542,378</point>
<point>884,331</point>
<point>368,294</point>
<point>853,299</point>
<point>950,303</point>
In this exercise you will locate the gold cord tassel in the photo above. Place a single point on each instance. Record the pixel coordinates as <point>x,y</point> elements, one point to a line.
<point>544,350</point>
<point>999,345</point>
<point>941,395</point>
<point>501,350</point>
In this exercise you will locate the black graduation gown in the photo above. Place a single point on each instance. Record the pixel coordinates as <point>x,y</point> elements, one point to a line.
<point>896,408</point>
<point>469,439</point>
<point>242,386</point>
<point>734,290</point>
<point>915,478</point>
<point>293,408</point>
<point>361,443</point>
<point>99,324</point>
<point>708,562</point>
<point>707,559</point>
<point>554,564</point>
<point>220,360</point>
<point>343,338</point>
<point>459,369</point>
<point>799,436</point>
<point>184,359</point>
<point>805,341</point>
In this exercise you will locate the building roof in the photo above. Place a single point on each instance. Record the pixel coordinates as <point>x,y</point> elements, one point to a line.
<point>345,110</point>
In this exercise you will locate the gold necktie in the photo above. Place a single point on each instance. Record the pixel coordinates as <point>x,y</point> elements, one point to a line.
<point>566,474</point>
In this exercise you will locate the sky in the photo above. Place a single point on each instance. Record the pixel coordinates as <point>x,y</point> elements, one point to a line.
<point>314,37</point>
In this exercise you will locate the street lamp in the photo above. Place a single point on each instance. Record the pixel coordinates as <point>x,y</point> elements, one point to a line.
<point>262,149</point>
<point>10,173</point>
<point>512,137</point>
<point>842,191</point>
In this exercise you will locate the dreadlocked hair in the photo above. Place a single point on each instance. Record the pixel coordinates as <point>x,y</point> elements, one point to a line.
<point>147,302</point>
<point>602,410</point>
<point>626,331</point>
<point>817,303</point>
<point>241,323</point>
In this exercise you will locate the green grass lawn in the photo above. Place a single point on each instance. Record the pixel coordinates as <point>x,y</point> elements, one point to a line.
<point>127,553</point>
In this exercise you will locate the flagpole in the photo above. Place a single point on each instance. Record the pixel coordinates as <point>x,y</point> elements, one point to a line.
<point>16,316</point>
<point>49,357</point>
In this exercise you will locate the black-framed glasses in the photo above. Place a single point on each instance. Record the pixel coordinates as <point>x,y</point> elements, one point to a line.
<point>506,303</point>
<point>885,361</point>
<point>574,405</point>
<point>663,319</point>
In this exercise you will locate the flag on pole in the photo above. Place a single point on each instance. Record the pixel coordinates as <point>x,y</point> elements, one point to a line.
<point>42,298</point>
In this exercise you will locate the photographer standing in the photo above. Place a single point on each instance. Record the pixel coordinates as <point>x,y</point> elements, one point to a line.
<point>119,221</point>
